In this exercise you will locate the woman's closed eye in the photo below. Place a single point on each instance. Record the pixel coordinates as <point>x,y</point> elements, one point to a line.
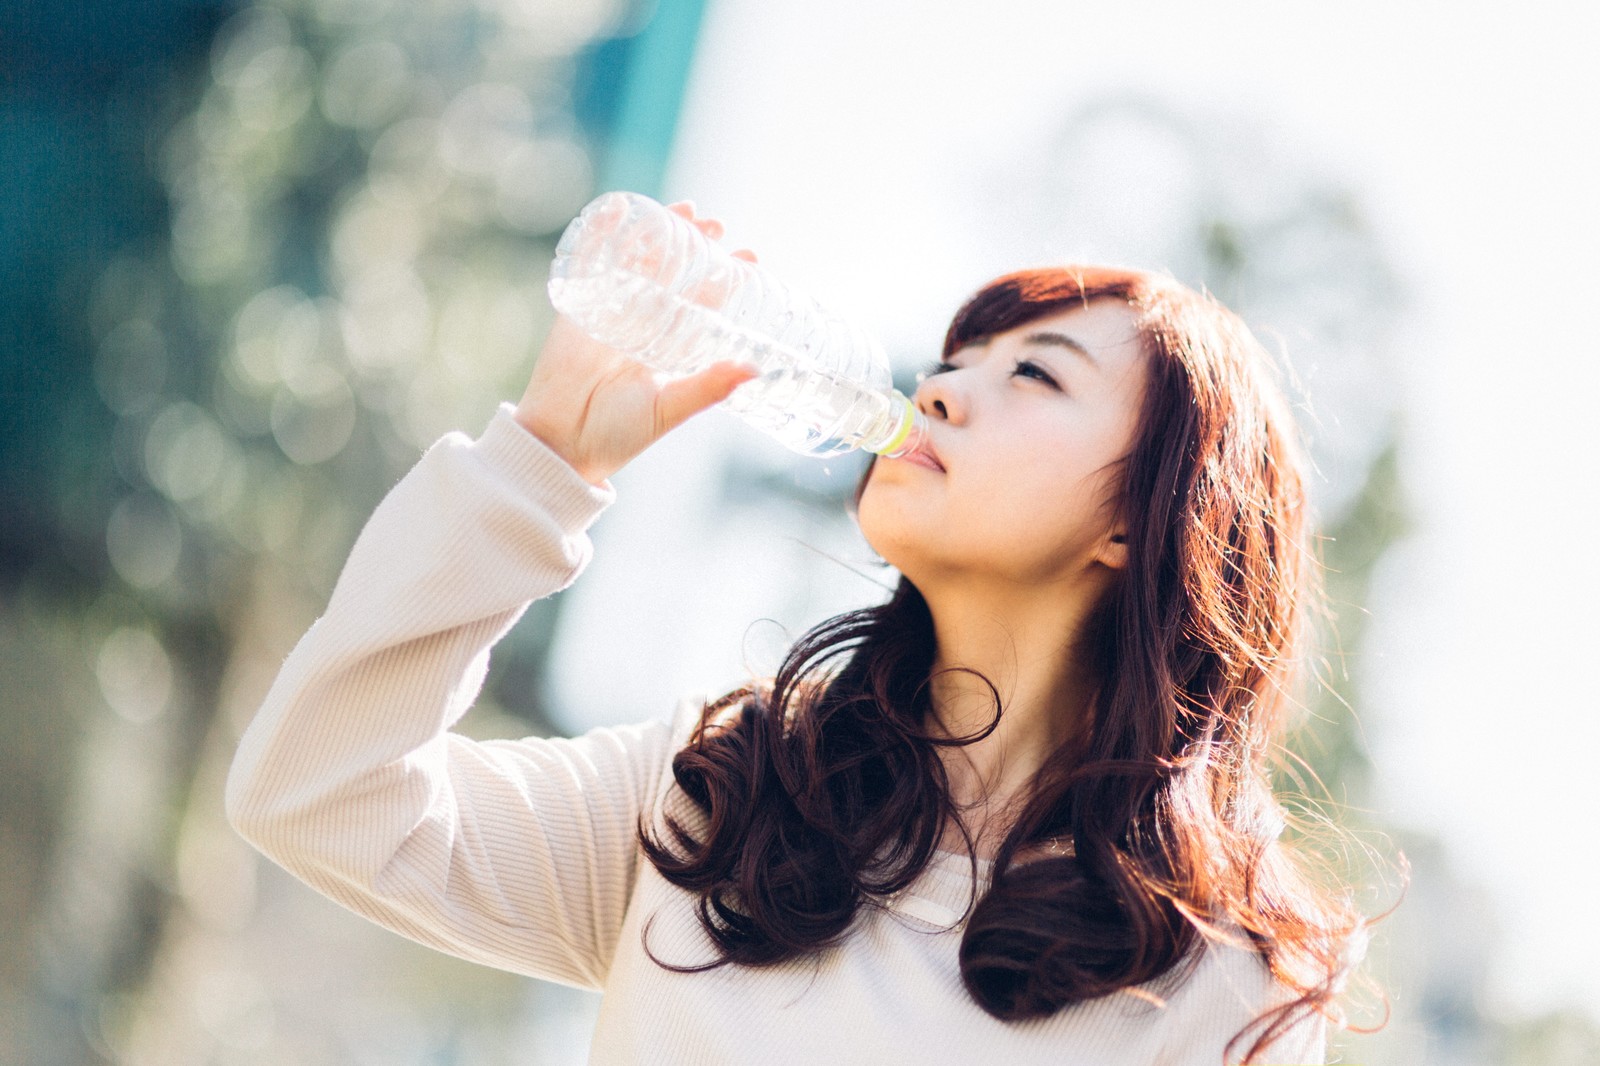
<point>1028,368</point>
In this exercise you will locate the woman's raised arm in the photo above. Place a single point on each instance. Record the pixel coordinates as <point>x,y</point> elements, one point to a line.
<point>519,854</point>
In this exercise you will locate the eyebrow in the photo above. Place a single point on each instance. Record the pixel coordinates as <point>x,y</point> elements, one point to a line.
<point>1061,340</point>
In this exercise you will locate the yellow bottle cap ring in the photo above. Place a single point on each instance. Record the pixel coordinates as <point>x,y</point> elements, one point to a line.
<point>908,420</point>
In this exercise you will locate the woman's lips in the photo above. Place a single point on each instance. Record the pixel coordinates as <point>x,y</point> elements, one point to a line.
<point>924,456</point>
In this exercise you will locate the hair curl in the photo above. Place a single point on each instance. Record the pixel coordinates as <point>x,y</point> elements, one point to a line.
<point>822,791</point>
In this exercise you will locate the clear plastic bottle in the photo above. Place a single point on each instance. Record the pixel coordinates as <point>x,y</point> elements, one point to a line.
<point>647,282</point>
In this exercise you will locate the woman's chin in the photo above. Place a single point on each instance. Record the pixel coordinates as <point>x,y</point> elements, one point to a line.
<point>898,524</point>
<point>899,551</point>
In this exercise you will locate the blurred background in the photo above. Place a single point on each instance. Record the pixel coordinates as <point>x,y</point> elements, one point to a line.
<point>256,256</point>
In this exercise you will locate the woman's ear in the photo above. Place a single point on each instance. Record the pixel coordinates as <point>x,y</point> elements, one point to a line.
<point>1113,551</point>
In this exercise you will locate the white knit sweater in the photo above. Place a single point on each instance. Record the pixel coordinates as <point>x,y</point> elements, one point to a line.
<point>522,854</point>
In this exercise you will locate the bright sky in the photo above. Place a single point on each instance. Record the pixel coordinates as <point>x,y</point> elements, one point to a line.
<point>852,145</point>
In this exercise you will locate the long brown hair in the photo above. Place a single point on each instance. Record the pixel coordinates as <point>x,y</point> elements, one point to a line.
<point>822,790</point>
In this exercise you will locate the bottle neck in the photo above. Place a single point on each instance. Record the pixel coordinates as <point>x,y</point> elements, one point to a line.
<point>908,432</point>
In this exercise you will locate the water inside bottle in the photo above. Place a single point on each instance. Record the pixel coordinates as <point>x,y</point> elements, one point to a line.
<point>808,408</point>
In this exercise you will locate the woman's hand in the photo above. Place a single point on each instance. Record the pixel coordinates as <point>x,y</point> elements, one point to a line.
<point>598,408</point>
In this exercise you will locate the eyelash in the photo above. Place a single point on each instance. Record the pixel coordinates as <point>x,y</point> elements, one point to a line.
<point>1039,372</point>
<point>1036,371</point>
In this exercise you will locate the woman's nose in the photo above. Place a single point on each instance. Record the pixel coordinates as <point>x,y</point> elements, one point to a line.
<point>939,397</point>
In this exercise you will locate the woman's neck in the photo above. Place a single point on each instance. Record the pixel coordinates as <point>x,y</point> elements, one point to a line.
<point>1031,653</point>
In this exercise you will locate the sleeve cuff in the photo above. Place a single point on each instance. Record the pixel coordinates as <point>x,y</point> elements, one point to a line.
<point>531,466</point>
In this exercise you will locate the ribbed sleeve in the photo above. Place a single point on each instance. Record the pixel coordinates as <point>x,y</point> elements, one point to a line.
<point>519,854</point>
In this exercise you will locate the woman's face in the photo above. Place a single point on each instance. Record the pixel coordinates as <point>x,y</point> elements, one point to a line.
<point>1029,426</point>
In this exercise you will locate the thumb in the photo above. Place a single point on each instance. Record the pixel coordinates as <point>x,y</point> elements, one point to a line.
<point>682,399</point>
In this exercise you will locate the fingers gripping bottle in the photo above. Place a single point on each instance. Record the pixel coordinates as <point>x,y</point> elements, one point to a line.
<point>647,282</point>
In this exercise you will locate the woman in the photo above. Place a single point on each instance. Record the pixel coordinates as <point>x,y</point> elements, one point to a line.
<point>1018,813</point>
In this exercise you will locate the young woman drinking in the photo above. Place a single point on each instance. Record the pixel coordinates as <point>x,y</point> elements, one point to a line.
<point>1018,813</point>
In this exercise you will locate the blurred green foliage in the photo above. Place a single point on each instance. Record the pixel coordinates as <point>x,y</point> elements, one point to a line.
<point>258,263</point>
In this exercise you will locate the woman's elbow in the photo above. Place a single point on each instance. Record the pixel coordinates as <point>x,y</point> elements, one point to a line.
<point>246,804</point>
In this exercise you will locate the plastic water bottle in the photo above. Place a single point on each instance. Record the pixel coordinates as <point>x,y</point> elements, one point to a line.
<point>647,282</point>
